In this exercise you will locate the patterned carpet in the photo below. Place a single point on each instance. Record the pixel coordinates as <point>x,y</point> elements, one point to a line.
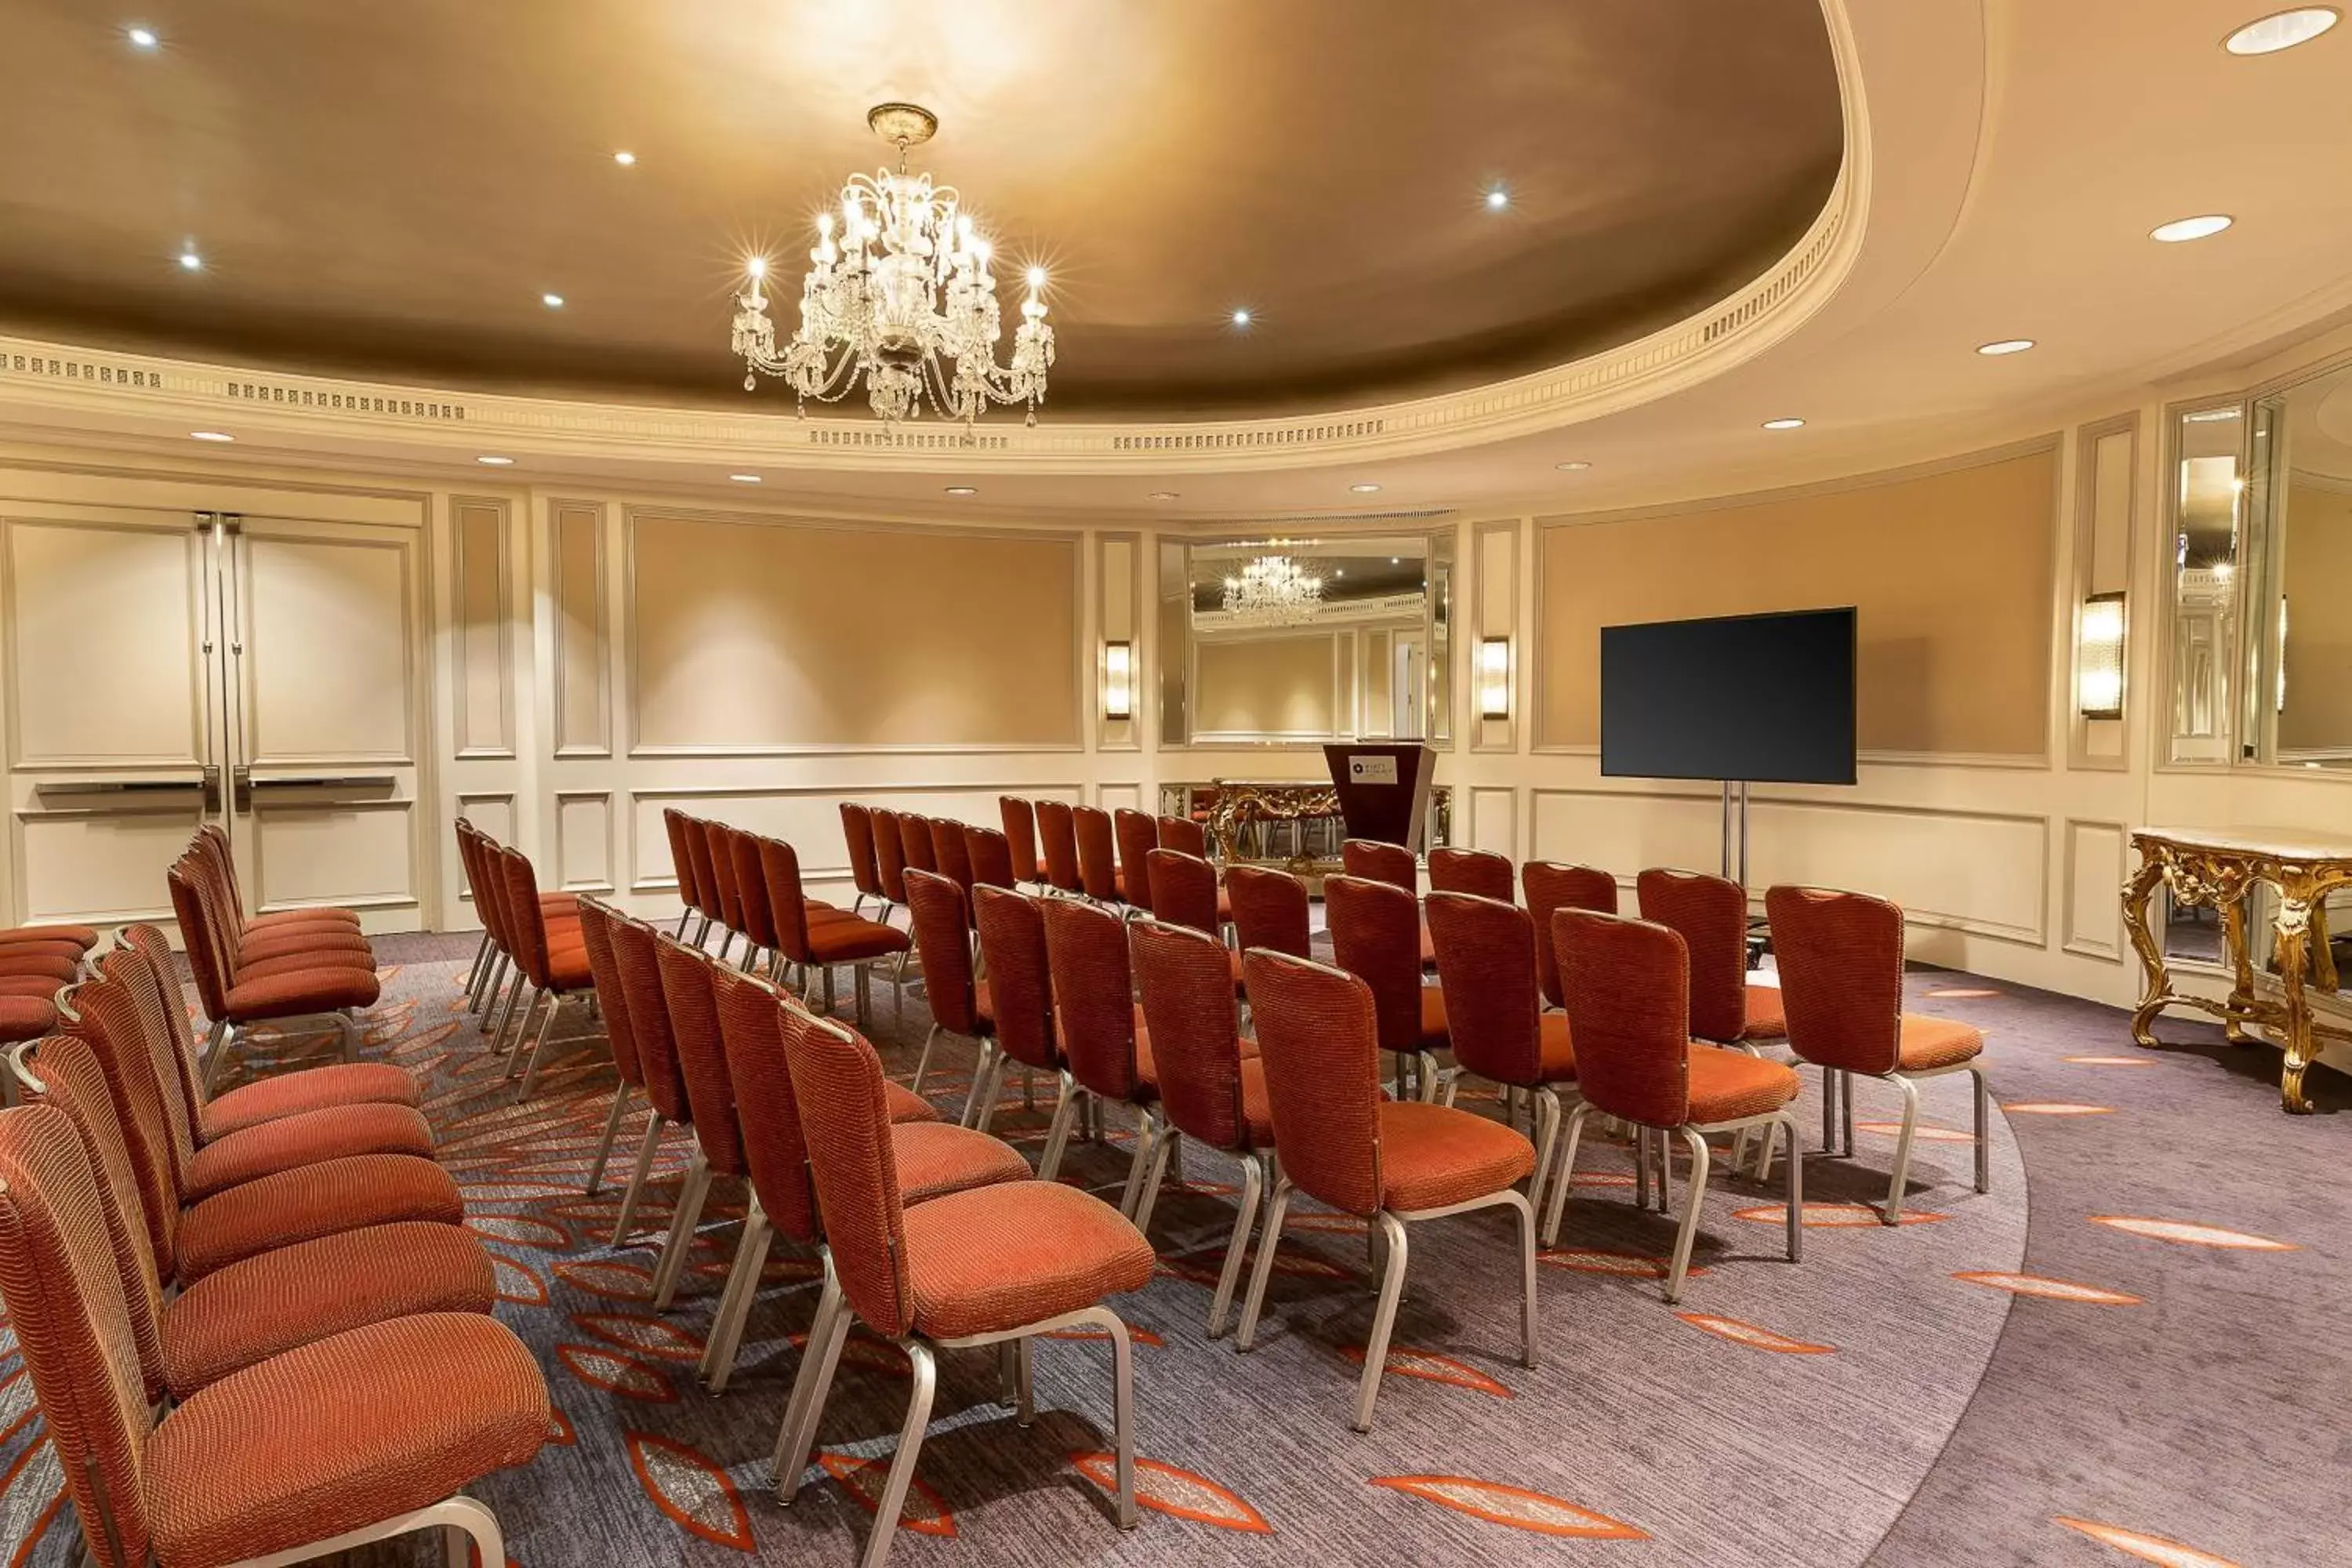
<point>1893,1399</point>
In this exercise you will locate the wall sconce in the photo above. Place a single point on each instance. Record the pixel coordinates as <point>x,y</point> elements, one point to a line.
<point>2099,657</point>
<point>1495,678</point>
<point>1119,680</point>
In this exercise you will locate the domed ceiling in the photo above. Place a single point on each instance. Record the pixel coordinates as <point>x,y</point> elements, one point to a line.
<point>390,190</point>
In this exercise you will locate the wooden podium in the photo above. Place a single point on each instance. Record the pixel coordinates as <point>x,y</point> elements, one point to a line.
<point>1383,789</point>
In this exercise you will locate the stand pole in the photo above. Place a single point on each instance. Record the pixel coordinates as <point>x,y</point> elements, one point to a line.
<point>1735,832</point>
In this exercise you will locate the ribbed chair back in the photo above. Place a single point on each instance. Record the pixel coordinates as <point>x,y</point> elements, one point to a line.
<point>1185,978</point>
<point>596,920</point>
<point>1624,981</point>
<point>200,929</point>
<point>1269,911</point>
<point>1135,835</point>
<point>1020,820</point>
<point>1094,995</point>
<point>1552,887</point>
<point>636,957</point>
<point>915,840</point>
<point>949,854</point>
<point>709,900</point>
<point>491,895</point>
<point>1377,862</point>
<point>837,1080</point>
<point>991,857</point>
<point>1710,914</point>
<point>1319,1041</point>
<point>681,858</point>
<point>1020,989</point>
<point>152,946</point>
<point>1487,965</point>
<point>755,904</point>
<point>1183,889</point>
<point>942,927</point>
<point>1376,937</point>
<point>1057,841</point>
<point>1479,872</point>
<point>702,1054</point>
<point>750,1027</point>
<point>723,867</point>
<point>120,1025</point>
<point>66,1303</point>
<point>857,835</point>
<point>1840,956</point>
<point>525,921</point>
<point>779,883</point>
<point>889,855</point>
<point>1097,854</point>
<point>1184,836</point>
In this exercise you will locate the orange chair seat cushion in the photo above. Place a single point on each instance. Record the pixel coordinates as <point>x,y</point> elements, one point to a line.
<point>364,1427</point>
<point>935,1158</point>
<point>303,963</point>
<point>24,975</point>
<point>25,1018</point>
<point>320,916</point>
<point>292,1142</point>
<point>1931,1043</point>
<point>41,958</point>
<point>567,966</point>
<point>276,1302</point>
<point>82,937</point>
<point>852,939</point>
<point>312,1201</point>
<point>1435,1036</point>
<point>1000,1257</point>
<point>1727,1085</point>
<point>263,946</point>
<point>1431,1156</point>
<point>906,1105</point>
<point>1768,1019</point>
<point>302,992</point>
<point>314,1088</point>
<point>1556,1056</point>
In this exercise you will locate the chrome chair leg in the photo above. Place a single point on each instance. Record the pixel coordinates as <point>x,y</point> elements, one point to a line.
<point>1983,1095</point>
<point>1057,1134</point>
<point>1566,1178</point>
<point>736,1301</point>
<point>990,1087</point>
<point>1526,1215</point>
<point>684,915</point>
<point>902,1463</point>
<point>671,1264</point>
<point>646,1148</point>
<point>611,1131</point>
<point>1237,1244</point>
<point>1687,1233</point>
<point>539,1046</point>
<point>1893,1213</point>
<point>1278,1211</point>
<point>1376,1349</point>
<point>1546,1106</point>
<point>1145,1130</point>
<point>474,972</point>
<point>1162,1146</point>
<point>820,1355</point>
<point>1796,1196</point>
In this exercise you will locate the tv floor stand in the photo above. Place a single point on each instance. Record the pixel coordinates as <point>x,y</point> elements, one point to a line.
<point>1734,862</point>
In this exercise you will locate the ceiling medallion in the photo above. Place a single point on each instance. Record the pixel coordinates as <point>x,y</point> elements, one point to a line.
<point>1272,591</point>
<point>899,295</point>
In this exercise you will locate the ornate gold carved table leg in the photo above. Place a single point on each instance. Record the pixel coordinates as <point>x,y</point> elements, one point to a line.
<point>2293,940</point>
<point>2241,964</point>
<point>2138,893</point>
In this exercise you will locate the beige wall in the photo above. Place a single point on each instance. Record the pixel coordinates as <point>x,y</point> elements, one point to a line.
<point>1951,572</point>
<point>1279,685</point>
<point>2318,579</point>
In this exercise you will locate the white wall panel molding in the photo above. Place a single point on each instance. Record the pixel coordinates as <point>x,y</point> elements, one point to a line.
<point>2091,888</point>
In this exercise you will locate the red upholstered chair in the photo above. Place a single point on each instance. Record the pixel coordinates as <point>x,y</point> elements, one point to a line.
<point>1021,1015</point>
<point>596,920</point>
<point>1135,835</point>
<point>553,959</point>
<point>1377,862</point>
<point>1270,911</point>
<point>1184,891</point>
<point>710,885</point>
<point>1552,887</point>
<point>1494,1012</point>
<point>1376,937</point>
<point>1627,982</point>
<point>681,859</point>
<point>940,918</point>
<point>1058,841</point>
<point>358,1437</point>
<point>1391,1162</point>
<point>1710,914</point>
<point>687,992</point>
<point>637,967</point>
<point>474,854</point>
<point>1212,1091</point>
<point>270,1303</point>
<point>822,938</point>
<point>726,868</point>
<point>997,1265</point>
<point>990,859</point>
<point>1184,836</point>
<point>485,950</point>
<point>889,859</point>
<point>1479,872</point>
<point>1098,854</point>
<point>864,871</point>
<point>933,1156</point>
<point>949,854</point>
<point>211,846</point>
<point>1840,958</point>
<point>915,839</point>
<point>295,984</point>
<point>1020,821</point>
<point>1096,1015</point>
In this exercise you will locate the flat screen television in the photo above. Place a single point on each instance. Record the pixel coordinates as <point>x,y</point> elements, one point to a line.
<point>1755,699</point>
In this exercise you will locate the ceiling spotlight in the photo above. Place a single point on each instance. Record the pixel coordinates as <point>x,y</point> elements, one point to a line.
<point>2178,229</point>
<point>495,462</point>
<point>962,490</point>
<point>1339,571</point>
<point>1241,318</point>
<point>1364,490</point>
<point>552,302</point>
<point>1162,495</point>
<point>1497,199</point>
<point>144,38</point>
<point>626,160</point>
<point>745,478</point>
<point>2282,31</point>
<point>1573,466</point>
<point>2005,347</point>
<point>1784,424</point>
<point>211,435</point>
<point>1395,559</point>
<point>190,261</point>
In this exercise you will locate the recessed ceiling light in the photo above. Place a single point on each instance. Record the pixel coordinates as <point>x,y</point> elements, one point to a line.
<point>2005,347</point>
<point>190,261</point>
<point>745,478</point>
<point>1241,318</point>
<point>552,302</point>
<point>2182,228</point>
<point>1393,560</point>
<point>141,38</point>
<point>1573,466</point>
<point>496,462</point>
<point>1162,495</point>
<point>1784,424</point>
<point>2282,31</point>
<point>962,490</point>
<point>1497,199</point>
<point>1364,490</point>
<point>626,160</point>
<point>212,436</point>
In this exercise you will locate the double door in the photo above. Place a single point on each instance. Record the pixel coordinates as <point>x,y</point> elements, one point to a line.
<point>164,670</point>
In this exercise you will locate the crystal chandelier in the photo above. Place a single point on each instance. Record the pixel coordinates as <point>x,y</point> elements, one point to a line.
<point>1272,591</point>
<point>899,295</point>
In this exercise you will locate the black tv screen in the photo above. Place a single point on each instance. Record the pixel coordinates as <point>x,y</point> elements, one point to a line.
<point>1758,698</point>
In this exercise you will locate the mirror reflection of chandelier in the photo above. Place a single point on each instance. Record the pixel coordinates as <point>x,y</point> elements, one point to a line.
<point>1272,591</point>
<point>899,295</point>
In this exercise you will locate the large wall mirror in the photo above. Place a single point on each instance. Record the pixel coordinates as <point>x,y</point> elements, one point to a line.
<point>2208,495</point>
<point>1276,640</point>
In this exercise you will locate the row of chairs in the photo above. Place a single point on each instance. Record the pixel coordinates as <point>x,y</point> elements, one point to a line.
<point>36,964</point>
<point>256,1328</point>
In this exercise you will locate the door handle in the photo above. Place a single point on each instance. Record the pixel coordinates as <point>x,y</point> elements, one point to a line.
<point>241,779</point>
<point>212,789</point>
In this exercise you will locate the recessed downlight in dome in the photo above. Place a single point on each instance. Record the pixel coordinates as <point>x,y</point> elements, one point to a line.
<point>552,302</point>
<point>2005,346</point>
<point>1364,490</point>
<point>141,38</point>
<point>2187,228</point>
<point>626,160</point>
<point>191,260</point>
<point>1241,319</point>
<point>1784,424</point>
<point>963,489</point>
<point>211,435</point>
<point>1162,495</point>
<point>1573,466</point>
<point>1497,198</point>
<point>745,478</point>
<point>490,460</point>
<point>2283,30</point>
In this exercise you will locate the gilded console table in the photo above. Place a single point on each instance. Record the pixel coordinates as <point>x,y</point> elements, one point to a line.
<point>2220,870</point>
<point>1235,806</point>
